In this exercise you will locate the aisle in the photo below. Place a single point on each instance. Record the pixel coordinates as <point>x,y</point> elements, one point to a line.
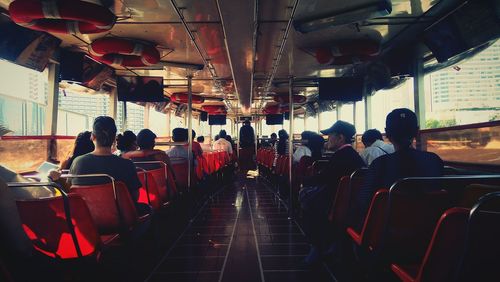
<point>242,234</point>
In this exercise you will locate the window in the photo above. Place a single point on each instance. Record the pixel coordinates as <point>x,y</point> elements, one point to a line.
<point>23,99</point>
<point>466,93</point>
<point>384,101</point>
<point>158,122</point>
<point>135,117</point>
<point>77,111</point>
<point>327,119</point>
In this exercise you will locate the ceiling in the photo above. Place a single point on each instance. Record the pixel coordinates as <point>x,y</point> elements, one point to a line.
<point>248,46</point>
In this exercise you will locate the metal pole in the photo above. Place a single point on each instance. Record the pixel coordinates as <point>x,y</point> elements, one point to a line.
<point>290,147</point>
<point>256,132</point>
<point>354,114</point>
<point>368,112</point>
<point>190,129</point>
<point>319,120</point>
<point>237,131</point>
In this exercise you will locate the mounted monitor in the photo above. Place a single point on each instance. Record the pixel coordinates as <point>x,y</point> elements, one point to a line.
<point>203,116</point>
<point>274,119</point>
<point>216,119</point>
<point>76,67</point>
<point>140,88</point>
<point>470,26</point>
<point>343,89</point>
<point>25,47</point>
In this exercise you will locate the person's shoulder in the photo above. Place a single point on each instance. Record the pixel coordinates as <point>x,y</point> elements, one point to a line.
<point>431,156</point>
<point>83,158</point>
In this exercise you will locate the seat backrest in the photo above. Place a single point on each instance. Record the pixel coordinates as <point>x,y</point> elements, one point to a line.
<point>158,176</point>
<point>181,174</point>
<point>338,211</point>
<point>481,259</point>
<point>357,180</point>
<point>373,227</point>
<point>443,254</point>
<point>45,223</point>
<point>148,193</point>
<point>473,192</point>
<point>411,221</point>
<point>111,214</point>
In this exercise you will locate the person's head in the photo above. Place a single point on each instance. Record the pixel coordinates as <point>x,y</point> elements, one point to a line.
<point>401,127</point>
<point>246,122</point>
<point>179,135</point>
<point>193,133</point>
<point>222,134</point>
<point>200,139</point>
<point>229,138</point>
<point>316,144</point>
<point>339,134</point>
<point>83,144</point>
<point>283,135</point>
<point>104,131</point>
<point>217,137</point>
<point>146,139</point>
<point>370,136</point>
<point>274,137</point>
<point>126,142</point>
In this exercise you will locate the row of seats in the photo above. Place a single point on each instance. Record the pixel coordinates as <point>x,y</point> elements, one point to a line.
<point>418,230</point>
<point>89,218</point>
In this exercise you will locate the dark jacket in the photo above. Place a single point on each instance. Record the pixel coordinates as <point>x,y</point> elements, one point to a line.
<point>247,137</point>
<point>386,169</point>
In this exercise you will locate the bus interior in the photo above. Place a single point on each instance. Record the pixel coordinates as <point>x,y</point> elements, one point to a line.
<point>262,82</point>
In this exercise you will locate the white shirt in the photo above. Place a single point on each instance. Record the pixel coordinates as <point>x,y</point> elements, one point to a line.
<point>377,149</point>
<point>206,147</point>
<point>223,144</point>
<point>300,152</point>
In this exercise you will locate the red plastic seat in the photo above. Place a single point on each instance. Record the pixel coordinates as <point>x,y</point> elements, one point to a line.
<point>46,224</point>
<point>110,205</point>
<point>149,193</point>
<point>443,253</point>
<point>181,175</point>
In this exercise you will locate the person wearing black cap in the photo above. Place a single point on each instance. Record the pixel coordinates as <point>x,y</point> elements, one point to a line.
<point>102,161</point>
<point>247,137</point>
<point>344,161</point>
<point>401,128</point>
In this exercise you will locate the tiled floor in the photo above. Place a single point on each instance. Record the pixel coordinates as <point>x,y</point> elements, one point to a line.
<point>241,235</point>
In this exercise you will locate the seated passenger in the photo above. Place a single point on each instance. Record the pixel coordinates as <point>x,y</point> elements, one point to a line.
<point>222,143</point>
<point>147,152</point>
<point>401,128</point>
<point>204,147</point>
<point>178,153</point>
<point>312,147</point>
<point>281,147</point>
<point>83,145</point>
<point>344,161</point>
<point>197,150</point>
<point>374,146</point>
<point>230,140</point>
<point>102,161</point>
<point>126,142</point>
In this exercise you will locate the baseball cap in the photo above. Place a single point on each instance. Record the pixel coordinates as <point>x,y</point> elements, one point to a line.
<point>145,138</point>
<point>341,127</point>
<point>402,121</point>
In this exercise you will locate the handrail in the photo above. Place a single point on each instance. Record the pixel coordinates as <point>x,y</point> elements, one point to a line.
<point>171,143</point>
<point>67,210</point>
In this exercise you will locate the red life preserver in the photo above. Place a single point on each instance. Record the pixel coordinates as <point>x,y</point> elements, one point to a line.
<point>274,109</point>
<point>124,52</point>
<point>214,109</point>
<point>284,98</point>
<point>182,97</point>
<point>344,53</point>
<point>61,16</point>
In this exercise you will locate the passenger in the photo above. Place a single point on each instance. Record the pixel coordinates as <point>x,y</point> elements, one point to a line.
<point>312,147</point>
<point>401,128</point>
<point>146,142</point>
<point>102,161</point>
<point>217,137</point>
<point>178,151</point>
<point>274,139</point>
<point>204,147</point>
<point>247,137</point>
<point>230,140</point>
<point>344,161</point>
<point>281,147</point>
<point>222,143</point>
<point>126,142</point>
<point>374,146</point>
<point>83,145</point>
<point>197,150</point>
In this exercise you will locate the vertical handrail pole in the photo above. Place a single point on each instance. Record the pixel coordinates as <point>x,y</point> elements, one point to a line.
<point>190,129</point>
<point>290,146</point>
